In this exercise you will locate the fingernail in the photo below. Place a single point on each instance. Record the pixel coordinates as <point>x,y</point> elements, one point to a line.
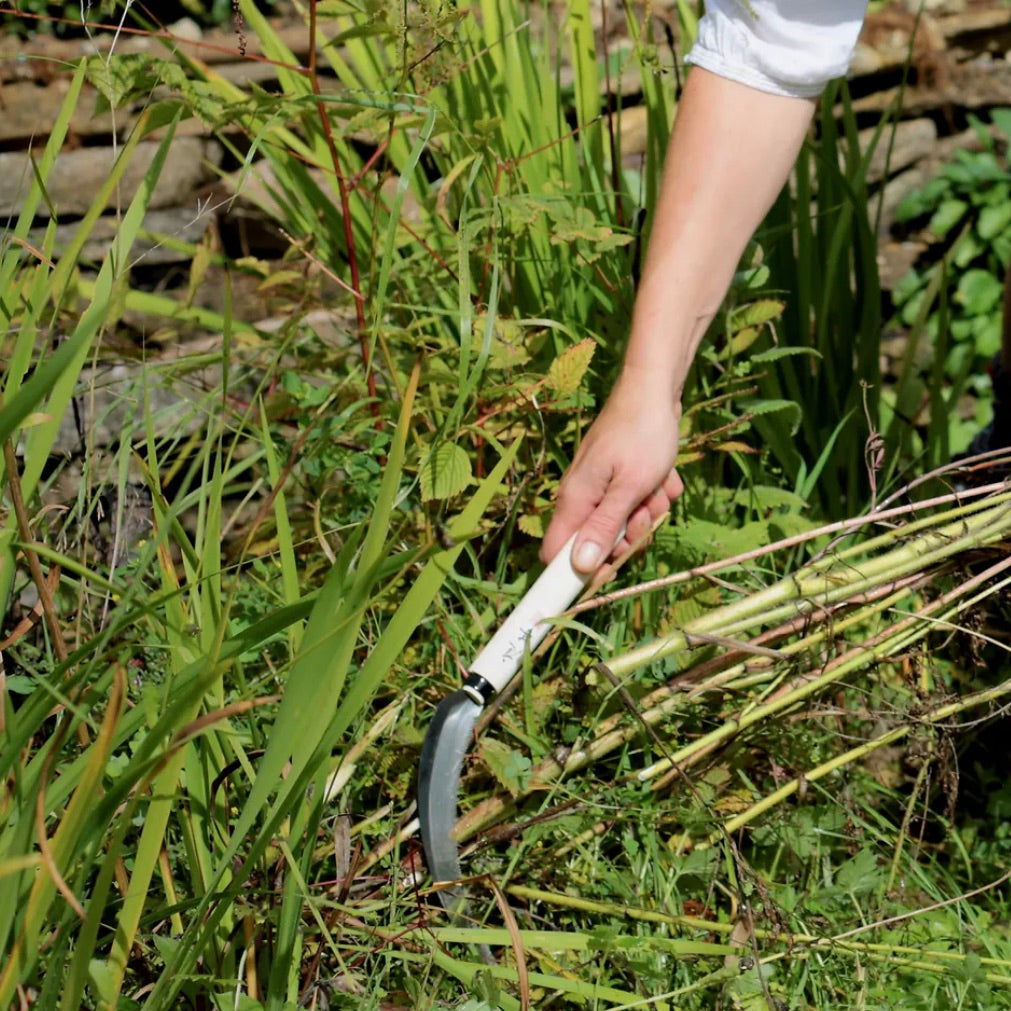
<point>587,556</point>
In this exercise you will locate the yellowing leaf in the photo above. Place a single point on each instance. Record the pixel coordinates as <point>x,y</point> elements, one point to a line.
<point>532,525</point>
<point>756,313</point>
<point>732,446</point>
<point>507,349</point>
<point>567,370</point>
<point>446,472</point>
<point>35,418</point>
<point>741,341</point>
<point>280,277</point>
<point>733,802</point>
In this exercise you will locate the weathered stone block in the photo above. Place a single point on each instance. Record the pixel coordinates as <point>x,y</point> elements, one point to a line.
<point>79,174</point>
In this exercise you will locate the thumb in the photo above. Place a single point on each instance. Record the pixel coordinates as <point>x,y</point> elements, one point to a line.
<point>602,529</point>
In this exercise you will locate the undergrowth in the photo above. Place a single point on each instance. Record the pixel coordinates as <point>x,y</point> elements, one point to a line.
<point>763,780</point>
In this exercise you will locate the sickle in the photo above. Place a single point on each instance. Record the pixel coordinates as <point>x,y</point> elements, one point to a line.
<point>452,727</point>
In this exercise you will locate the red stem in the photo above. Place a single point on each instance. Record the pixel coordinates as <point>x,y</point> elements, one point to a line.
<point>349,239</point>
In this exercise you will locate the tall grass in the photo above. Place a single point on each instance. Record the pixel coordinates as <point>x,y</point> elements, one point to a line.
<point>821,244</point>
<point>128,738</point>
<point>209,740</point>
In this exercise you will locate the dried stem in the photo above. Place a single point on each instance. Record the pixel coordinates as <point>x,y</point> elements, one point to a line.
<point>840,526</point>
<point>813,595</point>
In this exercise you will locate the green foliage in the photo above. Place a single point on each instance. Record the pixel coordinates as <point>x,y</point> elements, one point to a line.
<point>820,247</point>
<point>951,304</point>
<point>217,767</point>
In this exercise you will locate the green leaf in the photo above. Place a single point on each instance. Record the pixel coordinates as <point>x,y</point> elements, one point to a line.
<point>1001,118</point>
<point>860,874</point>
<point>994,220</point>
<point>919,202</point>
<point>970,970</point>
<point>506,349</point>
<point>980,166</point>
<point>782,525</point>
<point>765,496</point>
<point>21,684</point>
<point>978,291</point>
<point>445,473</point>
<point>755,277</point>
<point>987,332</point>
<point>774,354</point>
<point>511,768</point>
<point>740,342</point>
<point>967,250</point>
<point>704,539</point>
<point>774,406</point>
<point>949,214</point>
<point>103,978</point>
<point>123,79</point>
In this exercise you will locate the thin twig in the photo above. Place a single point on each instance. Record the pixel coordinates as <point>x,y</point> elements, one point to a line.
<point>892,920</point>
<point>349,236</point>
<point>847,525</point>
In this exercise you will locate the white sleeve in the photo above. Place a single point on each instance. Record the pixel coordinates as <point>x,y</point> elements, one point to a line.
<point>786,47</point>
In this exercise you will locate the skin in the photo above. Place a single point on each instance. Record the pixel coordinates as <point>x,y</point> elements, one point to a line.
<point>730,152</point>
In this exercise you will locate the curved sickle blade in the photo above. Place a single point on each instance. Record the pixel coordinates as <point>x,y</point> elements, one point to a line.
<point>446,742</point>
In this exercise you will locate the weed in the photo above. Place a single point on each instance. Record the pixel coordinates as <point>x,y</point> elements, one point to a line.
<point>210,732</point>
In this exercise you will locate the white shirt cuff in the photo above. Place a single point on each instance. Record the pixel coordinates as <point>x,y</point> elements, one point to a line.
<point>784,47</point>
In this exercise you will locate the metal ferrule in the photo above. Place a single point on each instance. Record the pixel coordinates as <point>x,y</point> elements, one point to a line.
<point>479,689</point>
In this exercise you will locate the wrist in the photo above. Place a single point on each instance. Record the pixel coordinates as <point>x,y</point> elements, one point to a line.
<point>645,384</point>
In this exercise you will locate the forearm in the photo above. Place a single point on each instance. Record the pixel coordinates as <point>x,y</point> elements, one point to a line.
<point>713,196</point>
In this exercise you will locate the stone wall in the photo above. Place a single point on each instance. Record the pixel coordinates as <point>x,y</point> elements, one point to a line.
<point>960,59</point>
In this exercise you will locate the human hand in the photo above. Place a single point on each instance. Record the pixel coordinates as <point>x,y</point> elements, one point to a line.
<point>622,476</point>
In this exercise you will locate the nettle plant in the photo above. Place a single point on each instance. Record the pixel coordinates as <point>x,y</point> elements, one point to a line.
<point>955,301</point>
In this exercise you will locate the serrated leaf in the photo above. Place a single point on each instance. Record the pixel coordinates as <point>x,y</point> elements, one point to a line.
<point>757,408</point>
<point>690,606</point>
<point>446,472</point>
<point>509,767</point>
<point>706,540</point>
<point>118,80</point>
<point>774,354</point>
<point>859,874</point>
<point>765,496</point>
<point>567,370</point>
<point>522,210</point>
